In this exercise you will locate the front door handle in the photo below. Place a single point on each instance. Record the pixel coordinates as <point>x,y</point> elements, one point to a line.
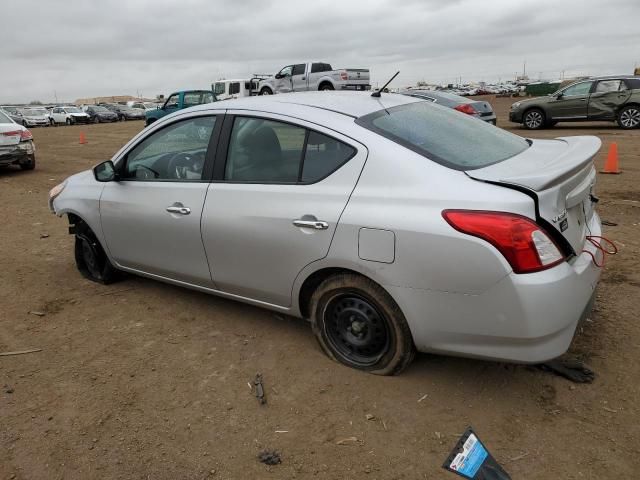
<point>179,208</point>
<point>315,224</point>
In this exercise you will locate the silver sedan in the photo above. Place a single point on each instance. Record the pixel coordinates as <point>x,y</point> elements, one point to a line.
<point>392,224</point>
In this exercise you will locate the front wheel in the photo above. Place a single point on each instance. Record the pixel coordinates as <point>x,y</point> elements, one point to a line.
<point>533,119</point>
<point>96,119</point>
<point>91,260</point>
<point>68,121</point>
<point>357,323</point>
<point>629,117</point>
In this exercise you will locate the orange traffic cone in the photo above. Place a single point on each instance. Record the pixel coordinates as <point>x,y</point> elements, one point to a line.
<point>83,139</point>
<point>611,165</point>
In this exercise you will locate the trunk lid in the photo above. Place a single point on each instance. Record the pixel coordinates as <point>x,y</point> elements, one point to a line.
<point>9,134</point>
<point>561,175</point>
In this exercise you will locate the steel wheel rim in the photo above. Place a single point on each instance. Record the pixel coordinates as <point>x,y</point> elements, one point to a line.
<point>630,118</point>
<point>534,119</point>
<point>356,329</point>
<point>90,258</point>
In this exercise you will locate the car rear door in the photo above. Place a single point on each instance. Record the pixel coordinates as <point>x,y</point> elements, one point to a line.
<point>299,77</point>
<point>572,104</point>
<point>151,215</point>
<point>278,192</point>
<point>606,99</point>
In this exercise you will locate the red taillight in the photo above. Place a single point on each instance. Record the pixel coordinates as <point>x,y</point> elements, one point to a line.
<point>13,133</point>
<point>344,75</point>
<point>466,108</point>
<point>519,239</point>
<point>25,135</point>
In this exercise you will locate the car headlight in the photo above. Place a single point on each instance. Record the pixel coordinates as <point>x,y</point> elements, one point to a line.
<point>54,192</point>
<point>515,105</point>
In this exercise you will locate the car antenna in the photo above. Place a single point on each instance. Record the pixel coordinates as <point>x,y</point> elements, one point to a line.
<point>377,93</point>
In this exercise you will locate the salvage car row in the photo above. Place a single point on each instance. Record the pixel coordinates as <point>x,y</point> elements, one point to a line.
<point>33,116</point>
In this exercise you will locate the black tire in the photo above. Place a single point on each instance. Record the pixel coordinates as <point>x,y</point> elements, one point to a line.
<point>91,260</point>
<point>150,121</point>
<point>628,117</point>
<point>325,87</point>
<point>534,119</point>
<point>29,165</point>
<point>266,91</point>
<point>96,119</point>
<point>382,344</point>
<point>68,121</point>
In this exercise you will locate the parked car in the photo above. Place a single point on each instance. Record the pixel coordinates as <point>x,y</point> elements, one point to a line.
<point>16,144</point>
<point>34,117</point>
<point>100,114</point>
<point>13,113</point>
<point>603,98</point>
<point>144,106</point>
<point>235,88</point>
<point>125,112</point>
<point>393,224</point>
<point>476,108</point>
<point>68,115</point>
<point>315,76</point>
<point>178,101</point>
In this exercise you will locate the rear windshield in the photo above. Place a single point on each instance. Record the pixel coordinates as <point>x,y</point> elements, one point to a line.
<point>448,137</point>
<point>4,118</point>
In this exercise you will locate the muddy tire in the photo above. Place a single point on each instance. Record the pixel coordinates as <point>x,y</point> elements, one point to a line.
<point>91,260</point>
<point>30,164</point>
<point>357,323</point>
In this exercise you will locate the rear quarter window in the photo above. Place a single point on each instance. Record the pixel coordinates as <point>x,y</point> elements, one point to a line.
<point>447,137</point>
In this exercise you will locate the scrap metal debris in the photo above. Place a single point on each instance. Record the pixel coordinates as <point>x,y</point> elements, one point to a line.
<point>260,390</point>
<point>569,368</point>
<point>37,314</point>
<point>269,457</point>
<point>608,223</point>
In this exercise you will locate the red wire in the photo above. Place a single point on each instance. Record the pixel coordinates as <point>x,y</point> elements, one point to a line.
<point>594,241</point>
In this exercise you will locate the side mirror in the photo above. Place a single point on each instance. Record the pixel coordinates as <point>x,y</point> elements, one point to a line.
<point>559,96</point>
<point>105,172</point>
<point>278,75</point>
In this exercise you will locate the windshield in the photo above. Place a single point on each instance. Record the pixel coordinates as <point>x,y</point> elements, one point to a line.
<point>34,111</point>
<point>219,88</point>
<point>4,118</point>
<point>100,109</point>
<point>445,136</point>
<point>73,110</point>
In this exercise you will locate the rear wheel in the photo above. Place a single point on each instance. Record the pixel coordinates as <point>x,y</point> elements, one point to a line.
<point>533,119</point>
<point>326,86</point>
<point>29,164</point>
<point>266,91</point>
<point>91,260</point>
<point>357,323</point>
<point>629,117</point>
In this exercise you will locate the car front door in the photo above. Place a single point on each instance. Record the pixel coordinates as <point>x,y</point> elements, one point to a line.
<point>606,99</point>
<point>282,84</point>
<point>299,77</point>
<point>58,115</point>
<point>571,103</point>
<point>278,192</point>
<point>151,215</point>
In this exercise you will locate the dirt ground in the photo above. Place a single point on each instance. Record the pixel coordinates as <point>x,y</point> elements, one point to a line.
<point>142,380</point>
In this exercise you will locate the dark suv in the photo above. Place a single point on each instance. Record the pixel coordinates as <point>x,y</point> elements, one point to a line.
<point>603,98</point>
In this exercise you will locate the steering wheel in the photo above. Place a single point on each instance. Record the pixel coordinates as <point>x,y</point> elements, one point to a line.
<point>182,164</point>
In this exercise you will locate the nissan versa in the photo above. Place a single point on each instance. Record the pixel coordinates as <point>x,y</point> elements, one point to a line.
<point>393,224</point>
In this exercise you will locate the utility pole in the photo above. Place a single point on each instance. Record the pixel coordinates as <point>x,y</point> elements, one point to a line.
<point>524,69</point>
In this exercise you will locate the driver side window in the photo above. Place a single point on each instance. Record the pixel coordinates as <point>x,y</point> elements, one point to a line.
<point>172,102</point>
<point>286,71</point>
<point>176,153</point>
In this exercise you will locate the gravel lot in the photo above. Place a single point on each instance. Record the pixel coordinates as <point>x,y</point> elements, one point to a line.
<point>145,380</point>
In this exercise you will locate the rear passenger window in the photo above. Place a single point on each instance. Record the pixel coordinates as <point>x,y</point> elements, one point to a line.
<point>268,151</point>
<point>323,155</point>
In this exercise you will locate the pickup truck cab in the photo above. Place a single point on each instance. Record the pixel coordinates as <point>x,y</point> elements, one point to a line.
<point>309,76</point>
<point>178,101</point>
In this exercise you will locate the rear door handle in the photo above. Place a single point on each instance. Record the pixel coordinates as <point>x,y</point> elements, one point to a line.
<point>315,224</point>
<point>179,208</point>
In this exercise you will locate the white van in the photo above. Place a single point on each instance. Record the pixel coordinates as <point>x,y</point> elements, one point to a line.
<point>236,88</point>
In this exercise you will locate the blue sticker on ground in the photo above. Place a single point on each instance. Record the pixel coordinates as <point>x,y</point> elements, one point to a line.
<point>473,461</point>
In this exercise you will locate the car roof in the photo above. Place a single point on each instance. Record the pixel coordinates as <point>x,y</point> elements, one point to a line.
<point>352,104</point>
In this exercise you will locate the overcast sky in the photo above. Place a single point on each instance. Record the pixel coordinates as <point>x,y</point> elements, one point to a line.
<point>85,48</point>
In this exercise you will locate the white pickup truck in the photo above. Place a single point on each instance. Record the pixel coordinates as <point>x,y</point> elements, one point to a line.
<point>302,77</point>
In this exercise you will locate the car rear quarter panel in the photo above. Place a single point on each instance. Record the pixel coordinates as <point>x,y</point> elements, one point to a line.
<point>403,192</point>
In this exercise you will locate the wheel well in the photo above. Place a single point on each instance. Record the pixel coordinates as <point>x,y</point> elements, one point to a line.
<point>322,84</point>
<point>630,104</point>
<point>535,108</point>
<point>312,282</point>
